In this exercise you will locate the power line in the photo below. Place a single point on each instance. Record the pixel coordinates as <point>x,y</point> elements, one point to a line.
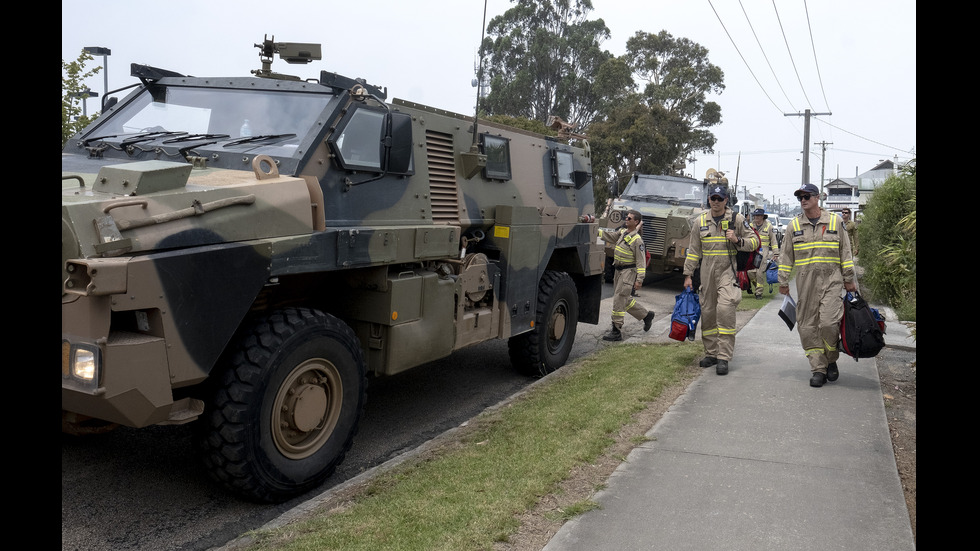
<point>814,48</point>
<point>741,56</point>
<point>765,56</point>
<point>790,52</point>
<point>863,138</point>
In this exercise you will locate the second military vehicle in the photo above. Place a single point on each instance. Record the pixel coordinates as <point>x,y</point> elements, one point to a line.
<point>243,252</point>
<point>667,203</point>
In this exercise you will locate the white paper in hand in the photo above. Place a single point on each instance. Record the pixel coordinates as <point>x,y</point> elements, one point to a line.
<point>788,311</point>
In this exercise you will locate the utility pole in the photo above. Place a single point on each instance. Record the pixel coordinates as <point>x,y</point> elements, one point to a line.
<point>806,141</point>
<point>823,152</point>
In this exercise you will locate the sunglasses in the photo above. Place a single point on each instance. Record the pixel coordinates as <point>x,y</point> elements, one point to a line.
<point>804,196</point>
<point>716,198</point>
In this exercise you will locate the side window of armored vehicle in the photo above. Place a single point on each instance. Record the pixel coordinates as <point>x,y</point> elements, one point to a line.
<point>563,169</point>
<point>497,150</point>
<point>357,143</point>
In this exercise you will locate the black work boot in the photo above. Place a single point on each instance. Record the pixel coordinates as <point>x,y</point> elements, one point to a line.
<point>648,321</point>
<point>722,367</point>
<point>708,361</point>
<point>832,372</point>
<point>614,334</point>
<point>817,379</point>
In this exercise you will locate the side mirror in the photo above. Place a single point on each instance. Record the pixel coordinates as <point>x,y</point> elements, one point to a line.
<point>400,149</point>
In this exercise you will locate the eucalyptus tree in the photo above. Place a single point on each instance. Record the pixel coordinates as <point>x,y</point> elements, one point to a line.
<point>679,78</point>
<point>544,57</point>
<point>633,136</point>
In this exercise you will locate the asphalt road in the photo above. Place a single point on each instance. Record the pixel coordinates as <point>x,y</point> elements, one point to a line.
<point>144,488</point>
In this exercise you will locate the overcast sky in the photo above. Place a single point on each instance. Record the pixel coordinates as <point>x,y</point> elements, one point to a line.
<point>854,59</point>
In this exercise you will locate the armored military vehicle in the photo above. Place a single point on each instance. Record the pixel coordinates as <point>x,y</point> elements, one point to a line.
<point>668,204</point>
<point>243,252</point>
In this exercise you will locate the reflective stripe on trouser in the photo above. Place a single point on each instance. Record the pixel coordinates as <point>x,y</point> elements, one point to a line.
<point>818,314</point>
<point>623,302</point>
<point>718,320</point>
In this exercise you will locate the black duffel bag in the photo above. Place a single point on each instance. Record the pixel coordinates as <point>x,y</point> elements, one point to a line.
<point>860,333</point>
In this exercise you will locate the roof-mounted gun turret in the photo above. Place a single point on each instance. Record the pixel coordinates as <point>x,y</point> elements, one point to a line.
<point>290,52</point>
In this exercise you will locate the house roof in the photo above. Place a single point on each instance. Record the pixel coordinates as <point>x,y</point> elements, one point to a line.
<point>839,182</point>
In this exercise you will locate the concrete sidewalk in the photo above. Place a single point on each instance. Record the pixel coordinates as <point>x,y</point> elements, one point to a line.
<point>759,460</point>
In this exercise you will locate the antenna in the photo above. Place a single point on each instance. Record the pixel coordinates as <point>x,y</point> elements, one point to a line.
<point>479,78</point>
<point>473,161</point>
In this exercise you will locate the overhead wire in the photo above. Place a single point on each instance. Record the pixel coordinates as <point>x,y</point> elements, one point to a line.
<point>765,56</point>
<point>795,68</point>
<point>815,63</point>
<point>741,56</point>
<point>865,139</point>
<point>790,52</point>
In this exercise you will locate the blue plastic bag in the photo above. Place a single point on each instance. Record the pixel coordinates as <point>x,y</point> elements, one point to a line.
<point>772,272</point>
<point>687,312</point>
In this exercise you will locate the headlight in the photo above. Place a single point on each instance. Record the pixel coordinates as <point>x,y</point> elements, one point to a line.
<point>84,365</point>
<point>80,366</point>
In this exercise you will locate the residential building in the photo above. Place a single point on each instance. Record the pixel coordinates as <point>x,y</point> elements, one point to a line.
<point>855,192</point>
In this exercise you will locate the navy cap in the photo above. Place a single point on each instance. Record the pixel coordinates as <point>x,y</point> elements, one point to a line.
<point>718,190</point>
<point>760,212</point>
<point>807,188</point>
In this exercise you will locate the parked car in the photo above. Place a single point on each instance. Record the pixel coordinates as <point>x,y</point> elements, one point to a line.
<point>782,223</point>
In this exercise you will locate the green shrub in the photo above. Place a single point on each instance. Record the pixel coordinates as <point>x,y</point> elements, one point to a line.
<point>887,237</point>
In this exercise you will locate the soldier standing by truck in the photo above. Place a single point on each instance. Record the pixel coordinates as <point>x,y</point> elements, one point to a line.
<point>629,263</point>
<point>711,248</point>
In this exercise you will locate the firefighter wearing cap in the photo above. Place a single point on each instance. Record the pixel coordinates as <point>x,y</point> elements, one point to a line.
<point>767,248</point>
<point>817,244</point>
<point>715,238</point>
<point>629,261</point>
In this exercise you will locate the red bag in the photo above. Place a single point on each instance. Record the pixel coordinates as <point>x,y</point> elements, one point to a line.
<point>743,281</point>
<point>678,330</point>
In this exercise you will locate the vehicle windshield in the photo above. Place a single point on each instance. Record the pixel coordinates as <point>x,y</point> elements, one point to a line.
<point>212,111</point>
<point>666,189</point>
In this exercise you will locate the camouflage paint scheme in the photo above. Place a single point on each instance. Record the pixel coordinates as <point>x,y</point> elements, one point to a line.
<point>667,218</point>
<point>175,242</point>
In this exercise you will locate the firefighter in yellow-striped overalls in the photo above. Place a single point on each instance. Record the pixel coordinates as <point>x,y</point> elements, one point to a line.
<point>629,261</point>
<point>715,238</point>
<point>816,242</point>
<point>768,248</point>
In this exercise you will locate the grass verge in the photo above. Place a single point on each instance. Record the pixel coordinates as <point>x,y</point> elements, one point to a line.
<point>468,494</point>
<point>749,302</point>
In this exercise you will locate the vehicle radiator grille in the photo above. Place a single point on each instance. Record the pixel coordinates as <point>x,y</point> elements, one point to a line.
<point>442,177</point>
<point>655,235</point>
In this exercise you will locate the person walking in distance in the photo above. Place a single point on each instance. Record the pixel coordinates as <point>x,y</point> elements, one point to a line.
<point>715,238</point>
<point>817,244</point>
<point>629,261</point>
<point>767,248</point>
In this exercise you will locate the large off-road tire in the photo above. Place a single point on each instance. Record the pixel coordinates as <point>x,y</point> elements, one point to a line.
<point>284,410</point>
<point>546,347</point>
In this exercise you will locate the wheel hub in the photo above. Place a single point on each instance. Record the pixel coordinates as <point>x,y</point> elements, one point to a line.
<point>306,409</point>
<point>558,321</point>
